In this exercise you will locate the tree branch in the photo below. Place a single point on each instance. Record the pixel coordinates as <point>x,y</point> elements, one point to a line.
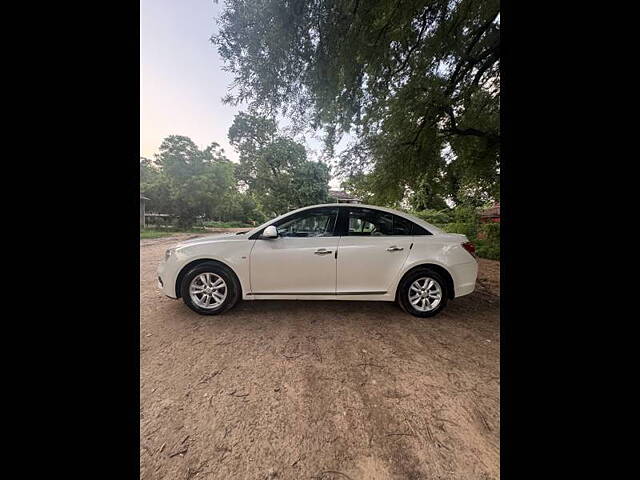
<point>474,132</point>
<point>483,28</point>
<point>413,48</point>
<point>355,9</point>
<point>493,58</point>
<point>454,130</point>
<point>470,62</point>
<point>386,26</point>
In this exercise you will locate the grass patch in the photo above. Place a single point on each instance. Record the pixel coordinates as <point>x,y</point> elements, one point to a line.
<point>155,234</point>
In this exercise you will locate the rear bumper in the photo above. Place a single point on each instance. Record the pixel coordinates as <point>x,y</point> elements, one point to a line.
<point>464,278</point>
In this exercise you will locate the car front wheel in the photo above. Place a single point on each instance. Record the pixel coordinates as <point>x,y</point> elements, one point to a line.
<point>423,293</point>
<point>210,289</point>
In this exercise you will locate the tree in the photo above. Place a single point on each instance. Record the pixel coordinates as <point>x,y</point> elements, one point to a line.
<point>191,182</point>
<point>274,168</point>
<point>149,171</point>
<point>415,82</point>
<point>155,185</point>
<point>242,207</point>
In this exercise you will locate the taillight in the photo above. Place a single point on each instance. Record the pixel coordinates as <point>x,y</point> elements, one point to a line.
<point>470,247</point>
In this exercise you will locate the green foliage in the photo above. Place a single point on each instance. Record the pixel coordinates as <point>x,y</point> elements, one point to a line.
<point>465,219</point>
<point>491,231</point>
<point>429,195</point>
<point>149,171</point>
<point>435,217</point>
<point>488,249</point>
<point>186,181</point>
<point>485,236</point>
<point>415,82</point>
<point>462,219</point>
<point>273,177</point>
<point>465,214</point>
<point>196,179</point>
<point>310,184</point>
<point>468,229</point>
<point>240,207</point>
<point>274,168</point>
<point>359,186</point>
<point>159,192</point>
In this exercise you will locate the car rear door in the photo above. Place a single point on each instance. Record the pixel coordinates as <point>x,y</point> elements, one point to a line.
<point>373,248</point>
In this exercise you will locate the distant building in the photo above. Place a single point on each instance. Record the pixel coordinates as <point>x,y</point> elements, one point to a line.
<point>142,200</point>
<point>340,196</point>
<point>491,214</point>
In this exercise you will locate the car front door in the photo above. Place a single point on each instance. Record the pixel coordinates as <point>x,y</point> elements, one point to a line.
<point>372,250</point>
<point>301,260</point>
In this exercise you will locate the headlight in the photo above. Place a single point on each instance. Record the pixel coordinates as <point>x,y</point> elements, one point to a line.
<point>168,253</point>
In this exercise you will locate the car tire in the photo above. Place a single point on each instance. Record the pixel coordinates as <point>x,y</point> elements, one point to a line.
<point>211,280</point>
<point>424,291</point>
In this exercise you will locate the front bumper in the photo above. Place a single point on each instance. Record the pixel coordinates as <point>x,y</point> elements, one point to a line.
<point>166,279</point>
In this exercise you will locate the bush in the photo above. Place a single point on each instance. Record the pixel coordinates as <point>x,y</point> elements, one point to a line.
<point>491,231</point>
<point>435,217</point>
<point>465,214</point>
<point>487,247</point>
<point>468,229</point>
<point>490,250</point>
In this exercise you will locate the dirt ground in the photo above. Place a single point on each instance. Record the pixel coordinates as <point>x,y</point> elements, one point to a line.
<point>318,390</point>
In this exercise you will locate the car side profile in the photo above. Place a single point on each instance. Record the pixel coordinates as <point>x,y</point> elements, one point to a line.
<point>324,252</point>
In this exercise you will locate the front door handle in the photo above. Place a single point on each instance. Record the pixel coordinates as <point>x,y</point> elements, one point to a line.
<point>322,251</point>
<point>394,248</point>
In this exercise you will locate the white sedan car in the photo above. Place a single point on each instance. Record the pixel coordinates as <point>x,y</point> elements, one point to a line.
<point>324,252</point>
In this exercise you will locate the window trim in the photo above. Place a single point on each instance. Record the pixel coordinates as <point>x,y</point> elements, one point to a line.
<point>341,226</point>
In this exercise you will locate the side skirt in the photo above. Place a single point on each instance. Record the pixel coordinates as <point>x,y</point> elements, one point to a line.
<point>363,296</point>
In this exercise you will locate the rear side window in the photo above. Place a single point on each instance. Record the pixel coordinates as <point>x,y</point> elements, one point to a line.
<point>365,222</point>
<point>418,230</point>
<point>401,226</point>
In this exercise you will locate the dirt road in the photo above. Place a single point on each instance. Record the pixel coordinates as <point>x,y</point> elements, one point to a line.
<point>318,390</point>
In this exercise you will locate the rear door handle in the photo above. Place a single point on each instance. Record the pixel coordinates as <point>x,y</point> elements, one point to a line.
<point>322,251</point>
<point>394,248</point>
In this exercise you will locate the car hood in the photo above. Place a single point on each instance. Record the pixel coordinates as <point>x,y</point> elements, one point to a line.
<point>219,237</point>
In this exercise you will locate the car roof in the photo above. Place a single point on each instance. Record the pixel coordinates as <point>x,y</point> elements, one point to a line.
<point>414,219</point>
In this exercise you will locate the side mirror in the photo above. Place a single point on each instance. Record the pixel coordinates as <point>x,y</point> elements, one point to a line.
<point>270,232</point>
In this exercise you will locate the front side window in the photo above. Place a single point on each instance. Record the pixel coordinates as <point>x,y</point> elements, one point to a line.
<point>315,223</point>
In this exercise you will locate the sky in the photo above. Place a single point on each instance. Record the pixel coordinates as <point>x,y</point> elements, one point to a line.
<point>181,77</point>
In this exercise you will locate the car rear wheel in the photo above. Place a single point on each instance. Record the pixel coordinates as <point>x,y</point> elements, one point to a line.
<point>210,289</point>
<point>422,293</point>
